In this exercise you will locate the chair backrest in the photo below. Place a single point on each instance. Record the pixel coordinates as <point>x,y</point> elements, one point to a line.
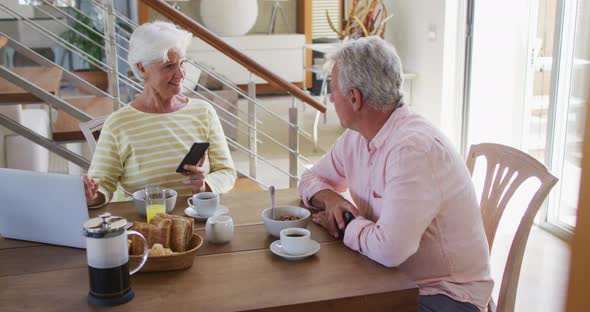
<point>507,169</point>
<point>88,128</point>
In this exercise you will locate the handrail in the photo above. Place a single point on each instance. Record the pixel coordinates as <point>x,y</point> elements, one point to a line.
<point>200,67</point>
<point>213,40</point>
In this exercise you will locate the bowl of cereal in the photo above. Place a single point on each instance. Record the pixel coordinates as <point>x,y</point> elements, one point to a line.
<point>285,217</point>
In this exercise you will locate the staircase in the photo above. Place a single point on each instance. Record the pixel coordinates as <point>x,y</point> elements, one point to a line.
<point>47,82</point>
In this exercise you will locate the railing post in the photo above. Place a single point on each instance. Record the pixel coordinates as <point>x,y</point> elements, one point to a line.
<point>252,132</point>
<point>293,145</point>
<point>304,78</point>
<point>50,145</point>
<point>111,50</point>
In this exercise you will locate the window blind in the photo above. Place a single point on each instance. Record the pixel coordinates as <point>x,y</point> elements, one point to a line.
<point>319,23</point>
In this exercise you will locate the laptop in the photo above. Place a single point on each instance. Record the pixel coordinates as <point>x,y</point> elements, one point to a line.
<point>42,207</point>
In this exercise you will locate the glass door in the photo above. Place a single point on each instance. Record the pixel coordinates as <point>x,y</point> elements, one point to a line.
<point>528,87</point>
<point>500,70</point>
<point>569,94</point>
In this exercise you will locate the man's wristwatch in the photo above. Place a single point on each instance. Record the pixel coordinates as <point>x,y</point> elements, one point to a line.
<point>348,217</point>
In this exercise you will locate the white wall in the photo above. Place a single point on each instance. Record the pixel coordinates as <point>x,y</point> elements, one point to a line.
<point>289,7</point>
<point>418,32</point>
<point>24,10</point>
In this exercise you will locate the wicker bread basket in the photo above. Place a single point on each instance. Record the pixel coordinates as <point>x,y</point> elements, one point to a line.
<point>176,261</point>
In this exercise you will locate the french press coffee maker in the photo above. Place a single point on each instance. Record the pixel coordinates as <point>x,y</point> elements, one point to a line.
<point>108,260</point>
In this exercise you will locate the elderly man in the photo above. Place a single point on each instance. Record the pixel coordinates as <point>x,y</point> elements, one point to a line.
<point>414,204</point>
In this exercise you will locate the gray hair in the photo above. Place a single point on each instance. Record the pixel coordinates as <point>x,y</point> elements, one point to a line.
<point>372,66</point>
<point>151,42</point>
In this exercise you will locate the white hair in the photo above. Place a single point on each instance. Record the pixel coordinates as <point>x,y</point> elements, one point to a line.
<point>151,42</point>
<point>372,66</point>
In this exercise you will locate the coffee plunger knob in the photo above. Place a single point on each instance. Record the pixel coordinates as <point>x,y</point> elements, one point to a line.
<point>105,218</point>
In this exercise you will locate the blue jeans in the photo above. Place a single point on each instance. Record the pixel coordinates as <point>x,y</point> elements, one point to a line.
<point>442,303</point>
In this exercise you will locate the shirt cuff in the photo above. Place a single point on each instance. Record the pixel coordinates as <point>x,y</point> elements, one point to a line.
<point>218,183</point>
<point>352,234</point>
<point>308,191</point>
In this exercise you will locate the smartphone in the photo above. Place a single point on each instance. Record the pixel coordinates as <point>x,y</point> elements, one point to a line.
<point>193,156</point>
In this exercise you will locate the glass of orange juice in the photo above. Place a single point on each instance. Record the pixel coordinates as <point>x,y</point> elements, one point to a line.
<point>155,200</point>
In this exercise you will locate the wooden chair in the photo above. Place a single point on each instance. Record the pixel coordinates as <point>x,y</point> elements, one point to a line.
<point>90,130</point>
<point>507,169</point>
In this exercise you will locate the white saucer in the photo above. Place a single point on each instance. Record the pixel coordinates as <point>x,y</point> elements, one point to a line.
<point>277,249</point>
<point>193,214</point>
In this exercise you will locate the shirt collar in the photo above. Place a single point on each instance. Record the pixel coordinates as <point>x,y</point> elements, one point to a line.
<point>390,126</point>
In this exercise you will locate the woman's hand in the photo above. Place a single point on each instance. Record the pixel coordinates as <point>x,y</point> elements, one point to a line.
<point>91,190</point>
<point>196,176</point>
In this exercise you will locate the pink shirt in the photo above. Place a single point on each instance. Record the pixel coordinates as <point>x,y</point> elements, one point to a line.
<point>423,215</point>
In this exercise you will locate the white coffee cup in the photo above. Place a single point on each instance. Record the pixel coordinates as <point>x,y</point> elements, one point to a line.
<point>204,204</point>
<point>219,229</point>
<point>295,241</point>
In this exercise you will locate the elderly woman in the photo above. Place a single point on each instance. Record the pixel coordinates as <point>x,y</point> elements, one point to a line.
<point>144,142</point>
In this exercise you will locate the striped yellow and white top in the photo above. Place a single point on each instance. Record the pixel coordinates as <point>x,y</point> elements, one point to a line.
<point>137,148</point>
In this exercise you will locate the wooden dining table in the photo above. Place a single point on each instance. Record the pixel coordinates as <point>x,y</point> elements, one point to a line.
<point>240,275</point>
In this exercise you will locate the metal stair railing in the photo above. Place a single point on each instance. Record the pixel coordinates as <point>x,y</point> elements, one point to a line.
<point>257,156</point>
<point>72,48</point>
<point>43,95</point>
<point>41,140</point>
<point>65,44</point>
<point>35,57</point>
<point>108,37</point>
<point>203,68</point>
<point>118,32</point>
<point>54,102</point>
<point>293,127</point>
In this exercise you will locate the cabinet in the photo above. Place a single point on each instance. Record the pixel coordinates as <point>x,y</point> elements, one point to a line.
<point>281,54</point>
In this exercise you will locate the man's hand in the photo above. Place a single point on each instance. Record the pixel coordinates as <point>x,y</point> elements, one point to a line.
<point>196,176</point>
<point>334,206</point>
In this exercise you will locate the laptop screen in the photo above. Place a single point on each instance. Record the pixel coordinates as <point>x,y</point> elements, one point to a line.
<point>42,207</point>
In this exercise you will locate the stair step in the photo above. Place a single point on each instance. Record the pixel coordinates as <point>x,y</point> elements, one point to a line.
<point>67,128</point>
<point>47,78</point>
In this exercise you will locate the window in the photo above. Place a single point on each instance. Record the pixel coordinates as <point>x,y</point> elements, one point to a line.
<point>531,93</point>
<point>319,22</point>
<point>567,106</point>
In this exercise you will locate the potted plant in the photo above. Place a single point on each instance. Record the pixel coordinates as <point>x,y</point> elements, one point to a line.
<point>366,18</point>
<point>92,74</point>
